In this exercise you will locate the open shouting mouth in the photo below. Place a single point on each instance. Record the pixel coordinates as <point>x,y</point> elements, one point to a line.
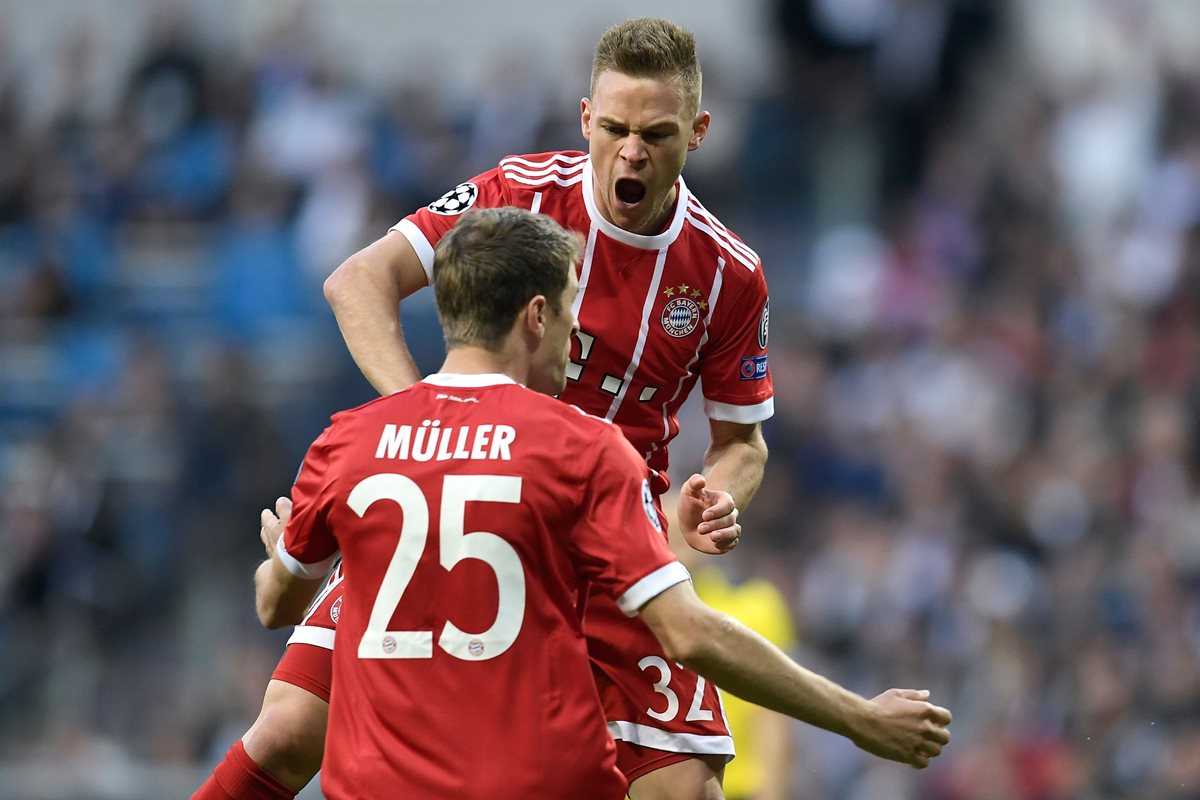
<point>630,192</point>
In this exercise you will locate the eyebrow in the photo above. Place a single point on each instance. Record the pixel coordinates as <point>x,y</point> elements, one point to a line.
<point>662,126</point>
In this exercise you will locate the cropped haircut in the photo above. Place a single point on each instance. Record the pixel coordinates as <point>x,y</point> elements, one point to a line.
<point>491,264</point>
<point>651,47</point>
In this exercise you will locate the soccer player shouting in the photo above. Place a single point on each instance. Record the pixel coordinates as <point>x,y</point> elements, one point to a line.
<point>668,296</point>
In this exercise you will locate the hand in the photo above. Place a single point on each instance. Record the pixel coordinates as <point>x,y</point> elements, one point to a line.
<point>707,518</point>
<point>273,523</point>
<point>905,727</point>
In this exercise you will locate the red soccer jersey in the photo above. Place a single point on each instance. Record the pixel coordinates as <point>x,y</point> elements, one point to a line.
<point>656,313</point>
<point>460,668</point>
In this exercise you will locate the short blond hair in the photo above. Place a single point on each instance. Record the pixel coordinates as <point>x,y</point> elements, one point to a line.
<point>651,47</point>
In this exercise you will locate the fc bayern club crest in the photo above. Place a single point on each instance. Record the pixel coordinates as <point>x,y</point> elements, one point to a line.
<point>680,316</point>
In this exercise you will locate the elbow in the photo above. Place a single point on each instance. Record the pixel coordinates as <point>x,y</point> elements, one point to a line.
<point>269,616</point>
<point>685,644</point>
<point>337,286</point>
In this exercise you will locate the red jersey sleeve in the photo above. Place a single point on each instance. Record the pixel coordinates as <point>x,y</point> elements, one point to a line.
<point>618,542</point>
<point>733,365</point>
<point>425,227</point>
<point>308,547</point>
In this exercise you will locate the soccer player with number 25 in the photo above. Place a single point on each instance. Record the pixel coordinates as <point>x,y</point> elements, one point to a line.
<point>668,296</point>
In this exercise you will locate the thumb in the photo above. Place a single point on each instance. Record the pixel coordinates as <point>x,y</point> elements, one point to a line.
<point>914,694</point>
<point>695,485</point>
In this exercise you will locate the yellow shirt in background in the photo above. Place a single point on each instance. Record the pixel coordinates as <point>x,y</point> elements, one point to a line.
<point>761,607</point>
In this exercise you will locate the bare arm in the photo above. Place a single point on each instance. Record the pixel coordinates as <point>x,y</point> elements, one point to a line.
<point>736,458</point>
<point>899,724</point>
<point>279,596</point>
<point>365,294</point>
<point>733,470</point>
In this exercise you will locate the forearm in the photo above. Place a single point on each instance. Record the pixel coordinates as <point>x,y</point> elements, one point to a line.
<point>280,597</point>
<point>736,467</point>
<point>745,664</point>
<point>266,597</point>
<point>366,304</point>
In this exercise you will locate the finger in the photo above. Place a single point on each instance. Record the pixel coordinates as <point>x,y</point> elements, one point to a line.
<point>724,536</point>
<point>283,507</point>
<point>938,734</point>
<point>720,505</point>
<point>714,525</point>
<point>912,694</point>
<point>267,518</point>
<point>727,544</point>
<point>919,761</point>
<point>694,485</point>
<point>938,714</point>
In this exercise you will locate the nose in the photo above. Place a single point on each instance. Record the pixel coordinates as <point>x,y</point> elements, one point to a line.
<point>633,149</point>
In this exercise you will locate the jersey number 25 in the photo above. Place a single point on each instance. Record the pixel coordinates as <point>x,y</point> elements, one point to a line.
<point>454,546</point>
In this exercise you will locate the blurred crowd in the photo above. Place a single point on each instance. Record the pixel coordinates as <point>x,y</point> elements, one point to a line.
<point>980,221</point>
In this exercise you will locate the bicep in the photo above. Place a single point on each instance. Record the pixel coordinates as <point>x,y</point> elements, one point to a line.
<point>388,267</point>
<point>397,260</point>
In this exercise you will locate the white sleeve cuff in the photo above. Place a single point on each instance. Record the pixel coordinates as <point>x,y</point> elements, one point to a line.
<point>651,587</point>
<point>417,239</point>
<point>747,415</point>
<point>318,570</point>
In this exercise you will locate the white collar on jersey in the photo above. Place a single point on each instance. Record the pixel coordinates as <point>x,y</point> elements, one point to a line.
<point>656,242</point>
<point>455,380</point>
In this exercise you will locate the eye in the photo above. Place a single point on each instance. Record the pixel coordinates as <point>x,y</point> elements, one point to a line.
<point>614,130</point>
<point>654,137</point>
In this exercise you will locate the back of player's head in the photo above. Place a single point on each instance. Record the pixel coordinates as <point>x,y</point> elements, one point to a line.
<point>491,264</point>
<point>651,47</point>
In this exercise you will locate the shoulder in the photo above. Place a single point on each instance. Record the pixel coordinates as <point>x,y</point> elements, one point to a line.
<point>708,232</point>
<point>378,404</point>
<point>542,170</point>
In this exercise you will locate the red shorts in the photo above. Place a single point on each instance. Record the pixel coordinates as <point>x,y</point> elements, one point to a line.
<point>659,712</point>
<point>308,660</point>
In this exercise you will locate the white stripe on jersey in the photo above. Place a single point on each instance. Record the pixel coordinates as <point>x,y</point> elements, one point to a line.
<point>416,237</point>
<point>585,271</point>
<point>536,205</point>
<point>651,586</point>
<point>560,169</point>
<point>672,742</point>
<point>559,157</point>
<point>542,181</point>
<point>718,279</point>
<point>700,224</point>
<point>721,230</point>
<point>744,415</point>
<point>643,332</point>
<point>335,578</point>
<point>312,634</point>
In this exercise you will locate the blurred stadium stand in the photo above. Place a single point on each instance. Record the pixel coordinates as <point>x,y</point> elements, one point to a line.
<point>981,225</point>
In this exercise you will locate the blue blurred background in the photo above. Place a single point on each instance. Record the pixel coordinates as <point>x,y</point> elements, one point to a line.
<point>979,221</point>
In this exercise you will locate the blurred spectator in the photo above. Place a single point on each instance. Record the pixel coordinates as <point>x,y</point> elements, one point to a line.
<point>981,225</point>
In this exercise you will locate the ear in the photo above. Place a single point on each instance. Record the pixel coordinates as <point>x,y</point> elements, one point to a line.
<point>699,130</point>
<point>585,118</point>
<point>534,317</point>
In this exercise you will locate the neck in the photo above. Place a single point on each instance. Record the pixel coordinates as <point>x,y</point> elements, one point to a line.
<point>470,360</point>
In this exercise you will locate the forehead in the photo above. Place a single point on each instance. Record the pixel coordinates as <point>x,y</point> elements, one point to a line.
<point>633,98</point>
